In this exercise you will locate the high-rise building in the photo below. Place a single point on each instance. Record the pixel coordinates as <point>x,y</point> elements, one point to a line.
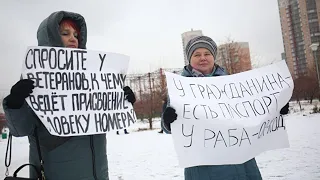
<point>300,28</point>
<point>186,37</point>
<point>234,57</point>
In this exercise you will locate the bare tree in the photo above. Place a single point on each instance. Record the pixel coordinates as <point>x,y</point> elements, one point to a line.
<point>231,54</point>
<point>2,117</point>
<point>151,90</point>
<point>256,60</point>
<point>305,88</point>
<point>149,105</point>
<point>311,87</point>
<point>1,100</point>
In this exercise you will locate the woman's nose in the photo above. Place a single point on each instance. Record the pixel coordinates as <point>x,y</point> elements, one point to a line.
<point>72,38</point>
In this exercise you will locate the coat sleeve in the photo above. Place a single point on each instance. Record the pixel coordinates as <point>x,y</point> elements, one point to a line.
<point>21,122</point>
<point>163,125</point>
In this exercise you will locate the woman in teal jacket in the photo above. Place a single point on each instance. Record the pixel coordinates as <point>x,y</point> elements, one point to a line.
<point>65,158</point>
<point>201,52</point>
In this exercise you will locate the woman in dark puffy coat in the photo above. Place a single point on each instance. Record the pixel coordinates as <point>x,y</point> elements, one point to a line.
<point>65,158</point>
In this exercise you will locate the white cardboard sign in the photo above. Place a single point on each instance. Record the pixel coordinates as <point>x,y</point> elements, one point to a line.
<point>229,119</point>
<point>78,92</point>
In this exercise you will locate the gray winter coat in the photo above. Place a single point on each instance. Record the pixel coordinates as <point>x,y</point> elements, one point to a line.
<point>246,171</point>
<point>65,158</point>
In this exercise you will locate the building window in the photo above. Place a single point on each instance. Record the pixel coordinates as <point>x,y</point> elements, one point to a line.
<point>311,5</point>
<point>315,39</point>
<point>312,15</point>
<point>311,11</point>
<point>312,20</point>
<point>314,27</point>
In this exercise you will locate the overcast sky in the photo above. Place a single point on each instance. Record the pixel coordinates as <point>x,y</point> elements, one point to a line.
<point>149,31</point>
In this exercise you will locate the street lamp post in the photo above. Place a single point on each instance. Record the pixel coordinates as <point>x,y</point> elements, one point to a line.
<point>314,48</point>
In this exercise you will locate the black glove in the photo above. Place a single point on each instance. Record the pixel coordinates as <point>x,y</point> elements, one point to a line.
<point>169,115</point>
<point>285,109</point>
<point>19,92</point>
<point>129,94</point>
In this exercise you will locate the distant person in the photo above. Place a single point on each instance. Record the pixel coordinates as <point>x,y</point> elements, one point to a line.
<point>201,52</point>
<point>65,158</point>
<point>125,132</point>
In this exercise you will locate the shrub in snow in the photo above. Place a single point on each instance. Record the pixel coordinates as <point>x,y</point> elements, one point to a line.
<point>315,109</point>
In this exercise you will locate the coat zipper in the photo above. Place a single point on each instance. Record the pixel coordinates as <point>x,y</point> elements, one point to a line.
<point>93,158</point>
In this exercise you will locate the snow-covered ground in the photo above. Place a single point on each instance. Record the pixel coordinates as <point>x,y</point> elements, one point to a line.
<point>147,155</point>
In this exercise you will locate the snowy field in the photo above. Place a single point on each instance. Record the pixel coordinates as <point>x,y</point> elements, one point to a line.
<point>149,155</point>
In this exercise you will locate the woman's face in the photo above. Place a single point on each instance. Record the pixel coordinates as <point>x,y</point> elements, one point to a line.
<point>69,36</point>
<point>202,60</point>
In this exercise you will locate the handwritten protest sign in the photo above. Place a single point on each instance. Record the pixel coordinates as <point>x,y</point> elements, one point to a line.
<point>229,119</point>
<point>78,92</point>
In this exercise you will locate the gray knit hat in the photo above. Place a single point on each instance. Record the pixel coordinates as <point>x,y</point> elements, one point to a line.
<point>201,42</point>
